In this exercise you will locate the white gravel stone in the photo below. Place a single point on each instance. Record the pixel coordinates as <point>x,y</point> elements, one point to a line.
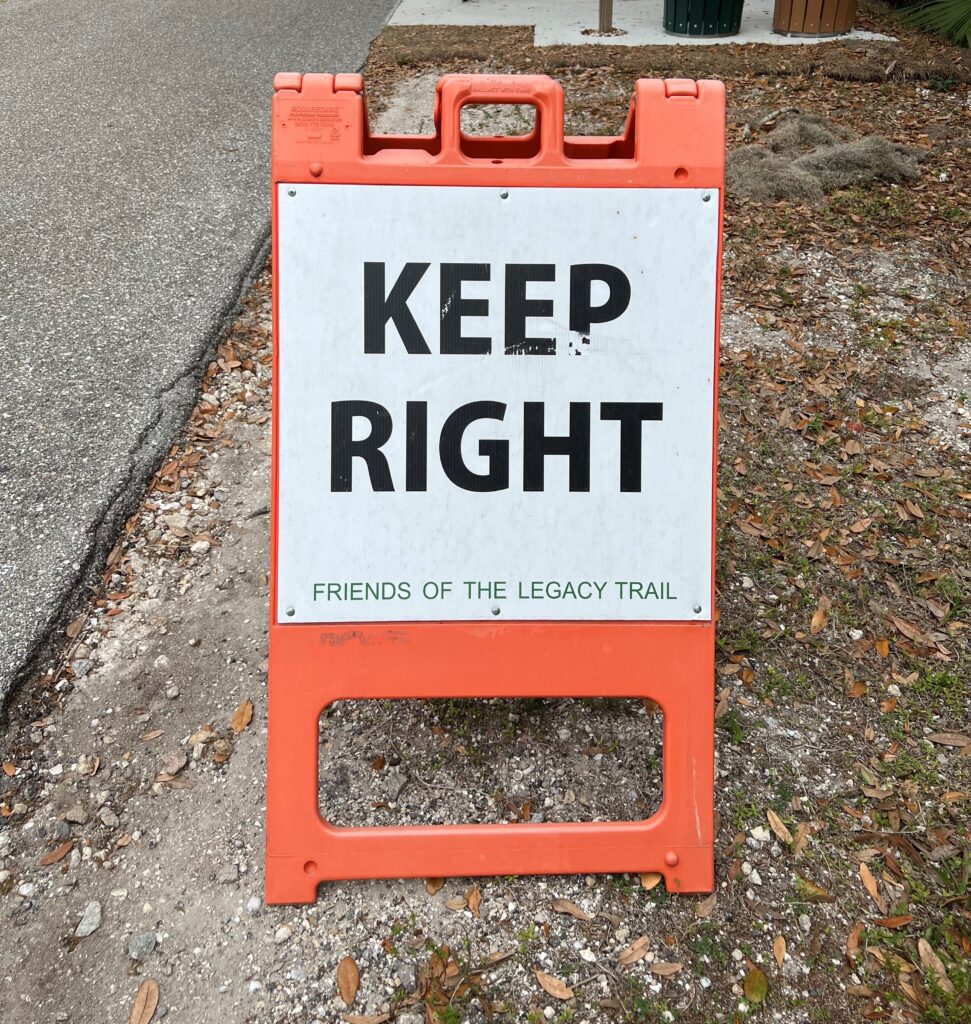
<point>90,920</point>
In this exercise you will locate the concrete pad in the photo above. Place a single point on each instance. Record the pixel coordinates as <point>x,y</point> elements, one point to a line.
<point>563,23</point>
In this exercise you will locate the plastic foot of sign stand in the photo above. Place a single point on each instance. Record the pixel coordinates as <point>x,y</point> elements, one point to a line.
<point>674,138</point>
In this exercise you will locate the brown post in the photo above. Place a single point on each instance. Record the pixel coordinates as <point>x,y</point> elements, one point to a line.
<point>606,16</point>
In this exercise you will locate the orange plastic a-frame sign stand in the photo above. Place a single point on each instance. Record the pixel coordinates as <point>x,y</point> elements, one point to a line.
<point>673,138</point>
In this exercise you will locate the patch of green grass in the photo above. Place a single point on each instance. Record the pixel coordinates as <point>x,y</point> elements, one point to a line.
<point>942,689</point>
<point>731,722</point>
<point>527,936</point>
<point>745,812</point>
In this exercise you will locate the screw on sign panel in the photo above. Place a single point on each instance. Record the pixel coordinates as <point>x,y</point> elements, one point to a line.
<point>464,374</point>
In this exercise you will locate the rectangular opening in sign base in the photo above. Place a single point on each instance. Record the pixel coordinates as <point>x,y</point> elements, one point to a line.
<point>462,762</point>
<point>493,452</point>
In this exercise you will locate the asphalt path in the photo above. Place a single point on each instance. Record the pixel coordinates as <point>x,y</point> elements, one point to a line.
<point>134,167</point>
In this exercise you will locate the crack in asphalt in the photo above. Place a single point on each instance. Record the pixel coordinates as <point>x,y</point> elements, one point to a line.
<point>174,402</point>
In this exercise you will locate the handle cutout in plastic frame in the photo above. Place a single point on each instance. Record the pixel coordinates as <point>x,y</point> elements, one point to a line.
<point>454,92</point>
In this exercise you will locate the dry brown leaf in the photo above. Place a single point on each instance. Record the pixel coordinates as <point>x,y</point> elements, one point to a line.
<point>152,734</point>
<point>75,627</point>
<point>897,921</point>
<point>853,942</point>
<point>911,993</point>
<point>432,885</point>
<point>456,903</point>
<point>706,906</point>
<point>721,708</point>
<point>779,949</point>
<point>649,879</point>
<point>58,853</point>
<point>664,970</point>
<point>556,988</point>
<point>146,1002</point>
<point>801,839</point>
<point>860,991</point>
<point>242,717</point>
<point>9,768</point>
<point>474,896</point>
<point>883,647</point>
<point>637,950</point>
<point>870,884</point>
<point>950,739</point>
<point>933,963</point>
<point>372,1018</point>
<point>820,616</point>
<point>778,826</point>
<point>348,979</point>
<point>566,907</point>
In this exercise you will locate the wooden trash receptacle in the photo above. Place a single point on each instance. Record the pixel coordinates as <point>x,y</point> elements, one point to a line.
<point>819,18</point>
<point>702,17</point>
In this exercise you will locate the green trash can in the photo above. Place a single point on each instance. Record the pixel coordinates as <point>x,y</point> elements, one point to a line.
<point>702,17</point>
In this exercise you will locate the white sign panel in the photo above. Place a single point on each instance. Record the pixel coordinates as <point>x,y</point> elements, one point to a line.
<point>495,403</point>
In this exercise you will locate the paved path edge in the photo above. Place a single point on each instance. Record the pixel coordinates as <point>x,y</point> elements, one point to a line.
<point>174,401</point>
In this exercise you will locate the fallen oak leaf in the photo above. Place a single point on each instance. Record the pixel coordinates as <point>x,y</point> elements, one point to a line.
<point>853,942</point>
<point>146,1002</point>
<point>474,897</point>
<point>242,717</point>
<point>911,993</point>
<point>950,739</point>
<point>637,950</point>
<point>348,979</point>
<point>870,884</point>
<point>556,988</point>
<point>778,826</point>
<point>58,853</point>
<point>664,970</point>
<point>432,885</point>
<point>562,906</point>
<point>706,906</point>
<point>801,839</point>
<point>933,963</point>
<point>860,991</point>
<point>897,921</point>
<point>820,616</point>
<point>909,629</point>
